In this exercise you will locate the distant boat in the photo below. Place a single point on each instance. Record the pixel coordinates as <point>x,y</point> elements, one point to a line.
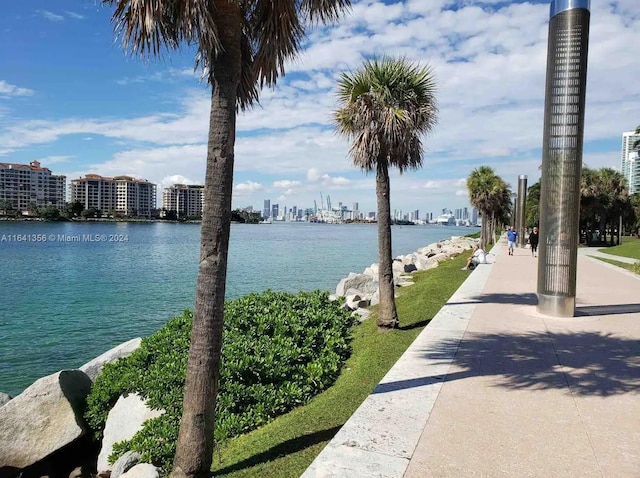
<point>446,220</point>
<point>267,221</point>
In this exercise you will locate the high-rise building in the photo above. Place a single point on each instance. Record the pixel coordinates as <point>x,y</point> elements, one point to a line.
<point>275,210</point>
<point>185,200</point>
<point>123,195</point>
<point>266,210</point>
<point>23,185</point>
<point>630,164</point>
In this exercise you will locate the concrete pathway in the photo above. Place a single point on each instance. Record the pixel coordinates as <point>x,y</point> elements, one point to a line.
<point>491,388</point>
<point>594,252</point>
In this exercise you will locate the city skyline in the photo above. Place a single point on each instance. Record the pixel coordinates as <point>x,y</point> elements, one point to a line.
<point>85,107</point>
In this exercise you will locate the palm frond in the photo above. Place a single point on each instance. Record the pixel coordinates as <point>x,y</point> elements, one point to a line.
<point>146,27</point>
<point>324,11</point>
<point>385,107</point>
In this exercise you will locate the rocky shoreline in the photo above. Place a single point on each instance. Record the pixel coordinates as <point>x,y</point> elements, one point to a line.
<point>43,431</point>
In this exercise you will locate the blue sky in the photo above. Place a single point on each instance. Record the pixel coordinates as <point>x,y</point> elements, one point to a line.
<point>71,98</point>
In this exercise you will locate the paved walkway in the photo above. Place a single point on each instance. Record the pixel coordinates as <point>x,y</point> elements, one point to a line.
<point>491,388</point>
<point>594,252</point>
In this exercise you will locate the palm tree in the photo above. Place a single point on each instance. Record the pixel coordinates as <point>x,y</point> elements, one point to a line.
<point>636,143</point>
<point>502,206</point>
<point>615,196</point>
<point>241,45</point>
<point>384,109</point>
<point>483,184</point>
<point>533,205</point>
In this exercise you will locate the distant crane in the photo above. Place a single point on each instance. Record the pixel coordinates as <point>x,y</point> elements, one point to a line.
<point>315,207</point>
<point>321,201</point>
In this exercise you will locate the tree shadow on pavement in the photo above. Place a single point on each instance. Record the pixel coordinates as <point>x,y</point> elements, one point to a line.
<point>614,309</point>
<point>588,363</point>
<point>520,299</point>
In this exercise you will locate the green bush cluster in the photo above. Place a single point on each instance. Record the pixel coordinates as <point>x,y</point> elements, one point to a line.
<point>279,350</point>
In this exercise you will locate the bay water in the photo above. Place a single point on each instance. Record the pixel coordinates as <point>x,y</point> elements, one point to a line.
<point>71,291</point>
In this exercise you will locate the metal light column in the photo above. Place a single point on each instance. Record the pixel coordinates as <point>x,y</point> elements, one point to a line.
<point>521,217</point>
<point>562,156</point>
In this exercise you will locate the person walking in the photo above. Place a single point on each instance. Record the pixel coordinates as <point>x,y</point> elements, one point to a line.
<point>534,237</point>
<point>512,235</point>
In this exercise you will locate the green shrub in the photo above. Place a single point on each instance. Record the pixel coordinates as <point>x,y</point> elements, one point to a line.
<point>635,267</point>
<point>279,350</point>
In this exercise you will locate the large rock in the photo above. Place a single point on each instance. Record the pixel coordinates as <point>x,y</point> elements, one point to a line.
<point>4,398</point>
<point>142,470</point>
<point>125,420</point>
<point>42,419</point>
<point>372,271</point>
<point>355,301</point>
<point>125,463</point>
<point>362,282</point>
<point>93,368</point>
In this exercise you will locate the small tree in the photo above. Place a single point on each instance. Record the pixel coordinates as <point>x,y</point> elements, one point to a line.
<point>385,107</point>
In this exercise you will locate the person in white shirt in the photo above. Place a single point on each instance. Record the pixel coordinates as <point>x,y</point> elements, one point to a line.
<point>478,257</point>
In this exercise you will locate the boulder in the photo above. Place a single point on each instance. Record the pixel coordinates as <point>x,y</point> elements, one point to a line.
<point>125,463</point>
<point>362,282</point>
<point>354,302</point>
<point>403,280</point>
<point>361,314</point>
<point>42,419</point>
<point>375,298</point>
<point>398,268</point>
<point>94,367</point>
<point>423,263</point>
<point>4,398</point>
<point>372,271</point>
<point>410,268</point>
<point>124,420</point>
<point>142,470</point>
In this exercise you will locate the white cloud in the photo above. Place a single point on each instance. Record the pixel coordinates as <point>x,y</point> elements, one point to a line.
<point>313,174</point>
<point>175,179</point>
<point>54,17</point>
<point>248,186</point>
<point>8,90</point>
<point>75,15</point>
<point>432,185</point>
<point>286,184</point>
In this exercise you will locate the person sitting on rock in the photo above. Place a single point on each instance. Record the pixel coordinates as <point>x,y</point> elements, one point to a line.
<point>477,257</point>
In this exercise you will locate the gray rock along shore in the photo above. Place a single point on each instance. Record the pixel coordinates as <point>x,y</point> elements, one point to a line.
<point>361,290</point>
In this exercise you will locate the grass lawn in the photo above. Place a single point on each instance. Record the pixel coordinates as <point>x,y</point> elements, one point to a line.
<point>630,267</point>
<point>288,445</point>
<point>630,247</point>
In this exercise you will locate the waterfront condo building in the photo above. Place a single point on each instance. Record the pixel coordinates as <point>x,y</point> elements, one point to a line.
<point>25,185</point>
<point>184,199</point>
<point>122,195</point>
<point>630,165</point>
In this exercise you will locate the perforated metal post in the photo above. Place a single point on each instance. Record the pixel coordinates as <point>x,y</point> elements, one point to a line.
<point>562,156</point>
<point>521,217</point>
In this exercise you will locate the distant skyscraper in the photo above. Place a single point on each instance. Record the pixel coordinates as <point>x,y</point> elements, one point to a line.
<point>275,211</point>
<point>630,165</point>
<point>266,210</point>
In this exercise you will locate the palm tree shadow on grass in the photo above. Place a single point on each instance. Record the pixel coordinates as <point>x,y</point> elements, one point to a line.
<point>588,363</point>
<point>285,448</point>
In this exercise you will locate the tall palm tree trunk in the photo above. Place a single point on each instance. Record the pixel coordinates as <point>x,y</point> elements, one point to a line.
<point>195,440</point>
<point>387,313</point>
<point>484,233</point>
